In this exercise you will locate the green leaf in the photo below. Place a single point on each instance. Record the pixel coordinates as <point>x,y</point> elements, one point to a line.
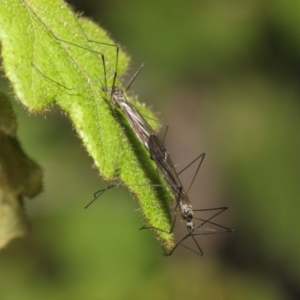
<point>46,58</point>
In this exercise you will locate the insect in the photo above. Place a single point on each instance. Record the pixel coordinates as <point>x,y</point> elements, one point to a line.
<point>183,205</point>
<point>142,169</point>
<point>155,146</point>
<point>160,154</point>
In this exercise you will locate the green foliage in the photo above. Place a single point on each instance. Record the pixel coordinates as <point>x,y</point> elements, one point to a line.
<point>49,61</point>
<point>19,177</point>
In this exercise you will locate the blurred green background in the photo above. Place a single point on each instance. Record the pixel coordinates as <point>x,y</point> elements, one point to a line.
<point>224,75</point>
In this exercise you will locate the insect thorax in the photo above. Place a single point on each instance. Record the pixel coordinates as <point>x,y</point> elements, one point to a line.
<point>190,226</point>
<point>116,93</point>
<point>187,212</point>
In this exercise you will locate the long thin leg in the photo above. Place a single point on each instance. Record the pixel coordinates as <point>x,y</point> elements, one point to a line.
<point>78,46</point>
<point>99,193</point>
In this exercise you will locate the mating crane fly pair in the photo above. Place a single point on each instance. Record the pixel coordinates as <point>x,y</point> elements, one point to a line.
<point>157,151</point>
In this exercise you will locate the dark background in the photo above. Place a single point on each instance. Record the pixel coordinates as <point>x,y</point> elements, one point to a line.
<point>224,75</point>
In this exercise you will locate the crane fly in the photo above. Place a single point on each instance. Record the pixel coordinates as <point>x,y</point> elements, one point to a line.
<point>151,141</point>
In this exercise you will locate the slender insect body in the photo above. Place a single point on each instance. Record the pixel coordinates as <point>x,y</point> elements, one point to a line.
<point>157,150</point>
<point>163,160</point>
<point>161,156</point>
